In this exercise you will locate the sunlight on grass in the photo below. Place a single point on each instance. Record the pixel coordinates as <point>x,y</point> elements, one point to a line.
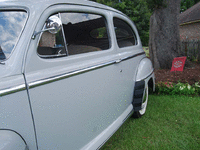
<point>171,122</point>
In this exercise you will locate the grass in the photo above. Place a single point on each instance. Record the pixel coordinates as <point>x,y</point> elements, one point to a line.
<point>171,122</point>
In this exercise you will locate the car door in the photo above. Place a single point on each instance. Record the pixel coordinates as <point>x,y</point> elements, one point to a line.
<point>76,86</point>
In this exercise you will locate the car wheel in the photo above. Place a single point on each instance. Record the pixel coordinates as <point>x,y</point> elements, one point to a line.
<point>141,112</point>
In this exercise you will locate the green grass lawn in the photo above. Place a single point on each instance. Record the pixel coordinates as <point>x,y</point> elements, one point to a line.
<point>171,122</point>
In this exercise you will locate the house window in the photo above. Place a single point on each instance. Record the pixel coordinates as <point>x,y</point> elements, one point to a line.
<point>124,33</point>
<point>81,33</point>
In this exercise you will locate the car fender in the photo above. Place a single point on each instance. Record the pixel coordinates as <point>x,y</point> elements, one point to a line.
<point>145,69</point>
<point>10,140</point>
<point>144,78</point>
<point>145,72</point>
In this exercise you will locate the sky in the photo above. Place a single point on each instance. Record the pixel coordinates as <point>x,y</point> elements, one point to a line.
<point>77,17</point>
<point>11,25</point>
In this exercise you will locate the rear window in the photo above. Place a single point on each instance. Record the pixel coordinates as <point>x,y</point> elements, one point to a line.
<point>124,33</point>
<point>11,25</point>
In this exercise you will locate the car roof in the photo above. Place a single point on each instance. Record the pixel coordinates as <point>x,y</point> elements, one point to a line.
<point>47,3</point>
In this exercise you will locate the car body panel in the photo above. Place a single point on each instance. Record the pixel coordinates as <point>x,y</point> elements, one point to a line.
<point>15,113</point>
<point>11,140</point>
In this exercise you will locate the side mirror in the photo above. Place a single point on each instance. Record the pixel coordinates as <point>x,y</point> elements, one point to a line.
<point>53,25</point>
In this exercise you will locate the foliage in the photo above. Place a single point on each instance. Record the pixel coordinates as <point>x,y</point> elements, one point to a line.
<point>146,50</point>
<point>156,4</point>
<point>138,13</point>
<point>185,4</point>
<point>170,88</point>
<point>197,87</point>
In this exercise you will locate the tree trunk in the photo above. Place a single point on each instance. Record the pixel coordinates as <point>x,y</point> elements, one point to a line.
<point>164,41</point>
<point>198,51</point>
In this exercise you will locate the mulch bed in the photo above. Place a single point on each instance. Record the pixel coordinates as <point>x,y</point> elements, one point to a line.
<point>189,75</point>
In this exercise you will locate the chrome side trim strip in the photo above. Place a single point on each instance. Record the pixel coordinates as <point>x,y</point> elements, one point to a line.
<point>77,72</point>
<point>13,89</point>
<point>67,75</point>
<point>129,57</point>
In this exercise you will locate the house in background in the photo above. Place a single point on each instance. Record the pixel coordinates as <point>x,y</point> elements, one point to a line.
<point>190,23</point>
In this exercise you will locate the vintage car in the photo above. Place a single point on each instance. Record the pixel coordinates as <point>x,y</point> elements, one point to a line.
<point>72,71</point>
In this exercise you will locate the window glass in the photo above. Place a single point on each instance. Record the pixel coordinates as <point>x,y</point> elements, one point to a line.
<point>99,33</point>
<point>51,45</point>
<point>11,25</point>
<point>81,33</point>
<point>124,33</point>
<point>84,32</point>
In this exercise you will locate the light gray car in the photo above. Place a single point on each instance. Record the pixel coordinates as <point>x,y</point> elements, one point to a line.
<point>71,73</point>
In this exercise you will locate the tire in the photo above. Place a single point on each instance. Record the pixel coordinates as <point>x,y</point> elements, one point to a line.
<point>140,113</point>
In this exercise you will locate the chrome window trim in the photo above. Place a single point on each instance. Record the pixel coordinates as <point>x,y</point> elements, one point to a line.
<point>52,56</point>
<point>13,89</point>
<point>77,72</point>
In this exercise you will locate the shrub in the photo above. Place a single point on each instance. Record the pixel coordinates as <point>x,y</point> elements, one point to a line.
<point>170,88</point>
<point>197,87</point>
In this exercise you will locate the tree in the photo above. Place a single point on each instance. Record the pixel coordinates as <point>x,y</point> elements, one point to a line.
<point>164,41</point>
<point>185,4</point>
<point>138,12</point>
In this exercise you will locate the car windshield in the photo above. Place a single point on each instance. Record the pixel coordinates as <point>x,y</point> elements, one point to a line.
<point>11,25</point>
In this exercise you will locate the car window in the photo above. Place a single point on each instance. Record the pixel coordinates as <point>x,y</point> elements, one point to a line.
<point>50,44</point>
<point>124,33</point>
<point>99,33</point>
<point>11,25</point>
<point>81,33</point>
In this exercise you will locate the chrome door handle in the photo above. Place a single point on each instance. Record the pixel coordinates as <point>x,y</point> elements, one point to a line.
<point>118,61</point>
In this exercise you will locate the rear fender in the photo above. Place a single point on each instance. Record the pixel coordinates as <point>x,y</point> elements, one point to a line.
<point>145,69</point>
<point>10,140</point>
<point>145,77</point>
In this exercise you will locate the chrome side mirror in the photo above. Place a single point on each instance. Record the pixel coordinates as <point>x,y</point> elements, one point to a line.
<point>53,25</point>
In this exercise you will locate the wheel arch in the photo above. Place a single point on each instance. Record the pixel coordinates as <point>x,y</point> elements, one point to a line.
<point>12,140</point>
<point>145,72</point>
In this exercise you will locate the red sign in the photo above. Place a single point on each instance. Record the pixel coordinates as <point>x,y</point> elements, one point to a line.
<point>178,64</point>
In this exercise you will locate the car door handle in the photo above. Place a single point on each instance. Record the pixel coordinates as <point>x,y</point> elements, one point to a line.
<point>118,61</point>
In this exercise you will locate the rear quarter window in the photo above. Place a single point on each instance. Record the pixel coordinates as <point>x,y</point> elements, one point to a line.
<point>124,33</point>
